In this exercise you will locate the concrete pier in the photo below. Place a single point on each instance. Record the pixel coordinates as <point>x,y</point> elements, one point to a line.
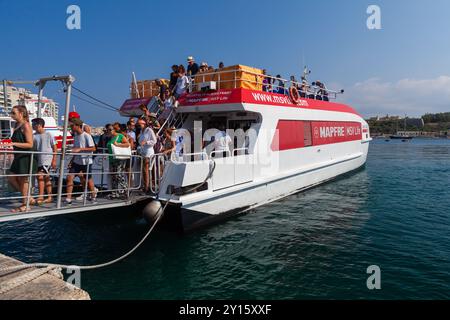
<point>36,284</point>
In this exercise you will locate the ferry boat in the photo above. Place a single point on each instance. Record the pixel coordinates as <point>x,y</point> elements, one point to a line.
<point>244,139</point>
<point>48,111</point>
<point>295,139</point>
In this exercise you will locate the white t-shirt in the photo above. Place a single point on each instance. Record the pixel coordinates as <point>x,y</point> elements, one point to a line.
<point>132,135</point>
<point>222,141</point>
<point>44,142</point>
<point>148,137</point>
<point>182,84</point>
<point>83,140</point>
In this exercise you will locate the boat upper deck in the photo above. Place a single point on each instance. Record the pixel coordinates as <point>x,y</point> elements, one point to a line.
<point>240,84</point>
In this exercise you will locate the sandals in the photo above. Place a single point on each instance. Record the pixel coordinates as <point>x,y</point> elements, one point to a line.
<point>40,202</point>
<point>22,208</point>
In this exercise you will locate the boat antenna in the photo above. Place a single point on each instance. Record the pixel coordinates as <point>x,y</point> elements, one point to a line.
<point>133,80</point>
<point>306,72</point>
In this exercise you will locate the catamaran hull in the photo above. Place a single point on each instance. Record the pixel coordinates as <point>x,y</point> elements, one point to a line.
<point>210,210</point>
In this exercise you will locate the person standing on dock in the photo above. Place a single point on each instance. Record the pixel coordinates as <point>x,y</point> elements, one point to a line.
<point>81,165</point>
<point>76,115</point>
<point>117,166</point>
<point>24,162</point>
<point>146,141</point>
<point>104,138</point>
<point>45,144</point>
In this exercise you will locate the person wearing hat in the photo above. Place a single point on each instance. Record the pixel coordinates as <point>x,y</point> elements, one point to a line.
<point>153,121</point>
<point>149,117</point>
<point>76,115</point>
<point>81,165</point>
<point>73,115</point>
<point>192,68</point>
<point>304,88</point>
<point>203,67</point>
<point>162,88</point>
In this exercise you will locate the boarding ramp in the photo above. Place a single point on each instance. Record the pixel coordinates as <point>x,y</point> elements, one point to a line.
<point>104,177</point>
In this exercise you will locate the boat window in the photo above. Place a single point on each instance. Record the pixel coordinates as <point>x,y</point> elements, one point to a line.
<point>239,123</point>
<point>5,129</point>
<point>307,133</point>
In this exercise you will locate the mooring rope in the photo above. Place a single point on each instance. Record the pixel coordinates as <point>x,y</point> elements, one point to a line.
<point>96,266</point>
<point>106,264</point>
<point>24,279</point>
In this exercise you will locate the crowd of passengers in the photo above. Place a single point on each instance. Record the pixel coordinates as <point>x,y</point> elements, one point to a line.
<point>36,153</point>
<point>180,81</point>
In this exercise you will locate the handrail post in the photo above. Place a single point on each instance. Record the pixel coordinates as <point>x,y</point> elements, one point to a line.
<point>41,93</point>
<point>129,178</point>
<point>86,183</point>
<point>30,173</point>
<point>5,159</point>
<point>102,159</point>
<point>64,142</point>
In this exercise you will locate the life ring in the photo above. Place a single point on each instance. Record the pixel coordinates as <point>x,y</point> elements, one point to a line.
<point>293,94</point>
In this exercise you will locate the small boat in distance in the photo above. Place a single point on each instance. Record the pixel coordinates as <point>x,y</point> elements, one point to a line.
<point>401,135</point>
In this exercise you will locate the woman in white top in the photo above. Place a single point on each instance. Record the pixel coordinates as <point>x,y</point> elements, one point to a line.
<point>146,141</point>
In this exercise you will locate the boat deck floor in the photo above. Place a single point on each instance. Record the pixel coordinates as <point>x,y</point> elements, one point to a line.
<point>50,209</point>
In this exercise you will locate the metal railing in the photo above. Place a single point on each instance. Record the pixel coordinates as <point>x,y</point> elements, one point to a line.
<point>156,171</point>
<point>266,82</point>
<point>5,133</point>
<point>189,157</point>
<point>97,171</point>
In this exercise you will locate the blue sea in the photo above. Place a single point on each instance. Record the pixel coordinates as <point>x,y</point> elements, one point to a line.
<point>394,213</point>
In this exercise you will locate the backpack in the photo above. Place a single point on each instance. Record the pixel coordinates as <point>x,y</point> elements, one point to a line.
<point>158,147</point>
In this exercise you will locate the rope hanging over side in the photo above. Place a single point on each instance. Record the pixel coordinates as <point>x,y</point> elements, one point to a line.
<point>97,266</point>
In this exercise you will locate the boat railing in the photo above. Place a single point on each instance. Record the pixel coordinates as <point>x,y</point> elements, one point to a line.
<point>100,171</point>
<point>156,170</point>
<point>203,155</point>
<point>240,151</point>
<point>189,157</point>
<point>220,154</point>
<point>267,83</point>
<point>5,133</point>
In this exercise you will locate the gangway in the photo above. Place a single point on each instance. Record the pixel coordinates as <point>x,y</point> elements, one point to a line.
<point>100,173</point>
<point>130,195</point>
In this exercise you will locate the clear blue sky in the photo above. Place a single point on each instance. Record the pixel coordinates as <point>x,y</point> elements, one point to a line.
<point>118,37</point>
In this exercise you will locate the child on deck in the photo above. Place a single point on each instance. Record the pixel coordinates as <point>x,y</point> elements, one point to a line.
<point>44,143</point>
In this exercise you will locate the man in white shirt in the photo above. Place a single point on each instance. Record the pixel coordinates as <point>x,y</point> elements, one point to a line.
<point>222,143</point>
<point>81,165</point>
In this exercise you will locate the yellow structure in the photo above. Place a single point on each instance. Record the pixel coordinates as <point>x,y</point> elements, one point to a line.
<point>238,76</point>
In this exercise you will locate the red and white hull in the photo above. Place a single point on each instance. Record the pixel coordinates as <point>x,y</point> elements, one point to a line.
<point>298,146</point>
